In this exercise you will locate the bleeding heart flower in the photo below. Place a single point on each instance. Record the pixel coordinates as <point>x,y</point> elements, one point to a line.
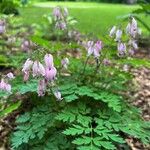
<point>10,75</point>
<point>2,27</point>
<point>57,13</point>
<point>97,48</point>
<point>41,88</point>
<point>118,35</point>
<point>65,63</point>
<point>50,73</point>
<point>112,31</point>
<point>48,58</point>
<point>121,49</point>
<point>27,65</point>
<point>58,95</point>
<point>38,69</point>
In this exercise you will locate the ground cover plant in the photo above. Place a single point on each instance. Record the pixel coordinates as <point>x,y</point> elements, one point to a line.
<point>73,98</point>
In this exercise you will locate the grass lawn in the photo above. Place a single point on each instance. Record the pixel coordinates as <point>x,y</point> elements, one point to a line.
<point>95,18</point>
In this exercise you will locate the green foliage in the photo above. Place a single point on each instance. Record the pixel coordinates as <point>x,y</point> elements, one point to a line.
<point>8,7</point>
<point>103,130</point>
<point>73,92</point>
<point>33,125</point>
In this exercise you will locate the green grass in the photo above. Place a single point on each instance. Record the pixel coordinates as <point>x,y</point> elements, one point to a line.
<point>95,18</point>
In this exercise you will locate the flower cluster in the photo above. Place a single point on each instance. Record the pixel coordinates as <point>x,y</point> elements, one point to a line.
<point>132,31</point>
<point>4,85</point>
<point>93,48</point>
<point>46,74</point>
<point>60,15</point>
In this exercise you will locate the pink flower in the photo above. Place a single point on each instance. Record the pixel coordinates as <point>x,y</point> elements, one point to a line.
<point>57,13</point>
<point>131,52</point>
<point>106,62</point>
<point>48,58</point>
<point>121,49</point>
<point>89,47</point>
<point>50,73</point>
<point>61,25</point>
<point>112,31</point>
<point>2,84</point>
<point>2,27</point>
<point>132,28</point>
<point>26,76</point>
<point>8,88</point>
<point>25,46</point>
<point>65,63</point>
<point>41,88</point>
<point>38,69</point>
<point>5,86</point>
<point>10,75</point>
<point>27,65</point>
<point>118,35</point>
<point>58,95</point>
<point>97,48</point>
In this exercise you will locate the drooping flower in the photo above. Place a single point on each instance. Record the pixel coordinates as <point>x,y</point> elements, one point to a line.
<point>25,46</point>
<point>112,31</point>
<point>121,49</point>
<point>10,75</point>
<point>97,48</point>
<point>58,95</point>
<point>89,46</point>
<point>118,35</point>
<point>50,73</point>
<point>41,88</point>
<point>61,25</point>
<point>2,84</point>
<point>132,28</point>
<point>2,27</point>
<point>48,58</point>
<point>26,76</point>
<point>38,69</point>
<point>57,13</point>
<point>131,52</point>
<point>106,62</point>
<point>65,63</point>
<point>5,86</point>
<point>27,65</point>
<point>8,87</point>
<point>66,12</point>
